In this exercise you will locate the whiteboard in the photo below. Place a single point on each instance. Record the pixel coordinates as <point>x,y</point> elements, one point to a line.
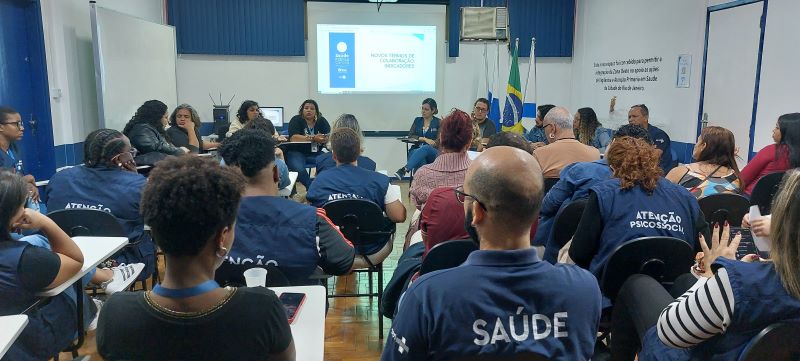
<point>134,61</point>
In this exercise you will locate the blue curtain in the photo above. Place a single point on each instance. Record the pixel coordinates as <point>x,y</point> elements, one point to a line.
<point>551,22</point>
<point>239,27</point>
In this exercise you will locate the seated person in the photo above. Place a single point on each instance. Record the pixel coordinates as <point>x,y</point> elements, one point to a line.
<point>184,130</point>
<point>426,130</point>
<point>325,160</point>
<point>486,126</point>
<point>27,270</point>
<point>349,181</point>
<point>730,303</point>
<point>108,181</point>
<point>248,111</point>
<point>714,170</point>
<point>11,131</point>
<point>191,204</point>
<point>501,197</point>
<point>640,115</point>
<point>449,168</point>
<point>574,183</point>
<point>510,139</point>
<point>266,126</point>
<point>778,157</point>
<point>307,126</point>
<point>294,237</point>
<point>589,131</point>
<point>536,135</point>
<point>563,149</point>
<point>637,202</point>
<point>146,133</point>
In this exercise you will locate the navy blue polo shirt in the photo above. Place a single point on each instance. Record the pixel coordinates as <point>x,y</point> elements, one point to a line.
<point>347,181</point>
<point>662,142</point>
<point>498,303</point>
<point>12,159</point>
<point>325,161</point>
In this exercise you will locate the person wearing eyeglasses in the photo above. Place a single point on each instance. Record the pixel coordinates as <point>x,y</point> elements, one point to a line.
<point>480,113</point>
<point>107,181</point>
<point>11,131</point>
<point>563,149</point>
<point>500,301</point>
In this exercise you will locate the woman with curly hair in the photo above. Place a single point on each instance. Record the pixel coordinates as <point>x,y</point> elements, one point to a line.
<point>637,202</point>
<point>589,131</point>
<point>147,134</point>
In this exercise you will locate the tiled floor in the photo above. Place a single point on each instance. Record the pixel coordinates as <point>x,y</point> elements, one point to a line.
<point>351,325</point>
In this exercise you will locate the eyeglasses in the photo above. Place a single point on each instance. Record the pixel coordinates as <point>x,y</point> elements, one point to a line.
<point>133,152</point>
<point>19,124</point>
<point>481,110</point>
<point>547,125</point>
<point>461,196</point>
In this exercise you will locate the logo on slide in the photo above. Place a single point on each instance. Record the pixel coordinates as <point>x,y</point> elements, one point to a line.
<point>342,60</point>
<point>341,46</point>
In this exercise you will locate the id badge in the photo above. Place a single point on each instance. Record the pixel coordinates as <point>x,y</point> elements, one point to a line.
<point>314,148</point>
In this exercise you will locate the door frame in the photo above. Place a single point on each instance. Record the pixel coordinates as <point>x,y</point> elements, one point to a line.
<point>763,21</point>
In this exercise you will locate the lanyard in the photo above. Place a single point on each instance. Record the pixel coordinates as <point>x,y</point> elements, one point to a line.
<point>11,155</point>
<point>311,131</point>
<point>200,289</point>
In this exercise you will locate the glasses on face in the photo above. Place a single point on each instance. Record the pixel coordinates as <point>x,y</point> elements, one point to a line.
<point>461,196</point>
<point>544,127</point>
<point>133,152</point>
<point>18,124</point>
<point>481,110</point>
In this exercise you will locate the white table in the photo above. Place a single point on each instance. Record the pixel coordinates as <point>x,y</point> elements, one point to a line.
<point>95,250</point>
<point>10,328</point>
<point>308,329</point>
<point>287,191</point>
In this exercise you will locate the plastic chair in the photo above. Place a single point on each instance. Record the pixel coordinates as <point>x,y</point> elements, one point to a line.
<point>765,190</point>
<point>447,254</point>
<point>566,222</point>
<point>549,183</point>
<point>229,274</point>
<point>363,223</point>
<point>663,258</point>
<point>722,207</point>
<point>776,342</point>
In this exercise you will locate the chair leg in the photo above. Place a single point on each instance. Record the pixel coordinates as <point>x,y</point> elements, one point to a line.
<point>380,301</point>
<point>369,275</point>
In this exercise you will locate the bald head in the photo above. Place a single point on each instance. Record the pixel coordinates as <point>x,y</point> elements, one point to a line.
<point>508,182</point>
<point>560,117</point>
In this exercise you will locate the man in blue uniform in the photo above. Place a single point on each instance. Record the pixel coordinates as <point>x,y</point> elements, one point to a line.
<point>503,300</point>
<point>350,181</point>
<point>640,115</point>
<point>11,131</point>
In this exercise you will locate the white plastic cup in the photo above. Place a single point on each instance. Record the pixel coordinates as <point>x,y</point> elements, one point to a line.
<point>255,277</point>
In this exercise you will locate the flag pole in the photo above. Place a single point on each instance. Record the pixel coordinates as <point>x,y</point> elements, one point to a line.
<point>486,66</point>
<point>531,63</point>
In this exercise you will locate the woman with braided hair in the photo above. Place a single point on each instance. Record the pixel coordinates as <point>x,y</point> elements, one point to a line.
<point>108,181</point>
<point>146,132</point>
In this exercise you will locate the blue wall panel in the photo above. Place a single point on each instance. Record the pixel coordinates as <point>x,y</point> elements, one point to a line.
<point>239,27</point>
<point>551,22</point>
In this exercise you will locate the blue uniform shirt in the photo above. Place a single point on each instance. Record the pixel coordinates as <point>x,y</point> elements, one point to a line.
<point>431,133</point>
<point>347,181</point>
<point>536,135</point>
<point>662,142</point>
<point>325,161</point>
<point>111,190</point>
<point>12,159</point>
<point>500,303</point>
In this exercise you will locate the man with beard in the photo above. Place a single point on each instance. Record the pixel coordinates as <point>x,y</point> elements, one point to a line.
<point>503,300</point>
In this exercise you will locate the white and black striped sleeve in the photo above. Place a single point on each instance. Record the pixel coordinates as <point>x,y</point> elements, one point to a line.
<point>701,313</point>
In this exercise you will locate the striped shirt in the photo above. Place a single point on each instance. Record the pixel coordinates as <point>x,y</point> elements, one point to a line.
<point>701,313</point>
<point>448,170</point>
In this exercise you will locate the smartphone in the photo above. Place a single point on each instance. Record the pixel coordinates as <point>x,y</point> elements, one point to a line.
<point>292,302</point>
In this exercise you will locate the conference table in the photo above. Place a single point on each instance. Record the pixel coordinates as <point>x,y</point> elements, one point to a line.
<point>308,329</point>
<point>95,250</point>
<point>10,328</point>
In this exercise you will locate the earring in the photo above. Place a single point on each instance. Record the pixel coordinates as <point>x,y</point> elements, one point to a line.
<point>119,164</point>
<point>224,252</point>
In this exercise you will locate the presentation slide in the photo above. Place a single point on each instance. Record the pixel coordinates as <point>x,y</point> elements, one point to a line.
<point>376,59</point>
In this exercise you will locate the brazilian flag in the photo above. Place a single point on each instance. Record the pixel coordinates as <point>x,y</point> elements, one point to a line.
<point>512,112</point>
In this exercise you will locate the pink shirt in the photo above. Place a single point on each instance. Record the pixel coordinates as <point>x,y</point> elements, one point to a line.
<point>448,170</point>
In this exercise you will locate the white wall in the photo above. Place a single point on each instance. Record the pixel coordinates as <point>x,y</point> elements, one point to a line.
<point>70,63</point>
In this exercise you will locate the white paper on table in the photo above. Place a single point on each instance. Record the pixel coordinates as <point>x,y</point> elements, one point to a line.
<point>472,154</point>
<point>762,243</point>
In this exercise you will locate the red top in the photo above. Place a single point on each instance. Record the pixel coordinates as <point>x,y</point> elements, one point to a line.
<point>764,163</point>
<point>442,219</point>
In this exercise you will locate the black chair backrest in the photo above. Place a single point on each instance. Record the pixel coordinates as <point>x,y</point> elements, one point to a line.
<point>229,274</point>
<point>525,356</point>
<point>447,254</point>
<point>722,207</point>
<point>549,183</point>
<point>776,342</point>
<point>765,190</point>
<point>356,218</point>
<point>566,221</point>
<point>87,222</point>
<point>663,258</point>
